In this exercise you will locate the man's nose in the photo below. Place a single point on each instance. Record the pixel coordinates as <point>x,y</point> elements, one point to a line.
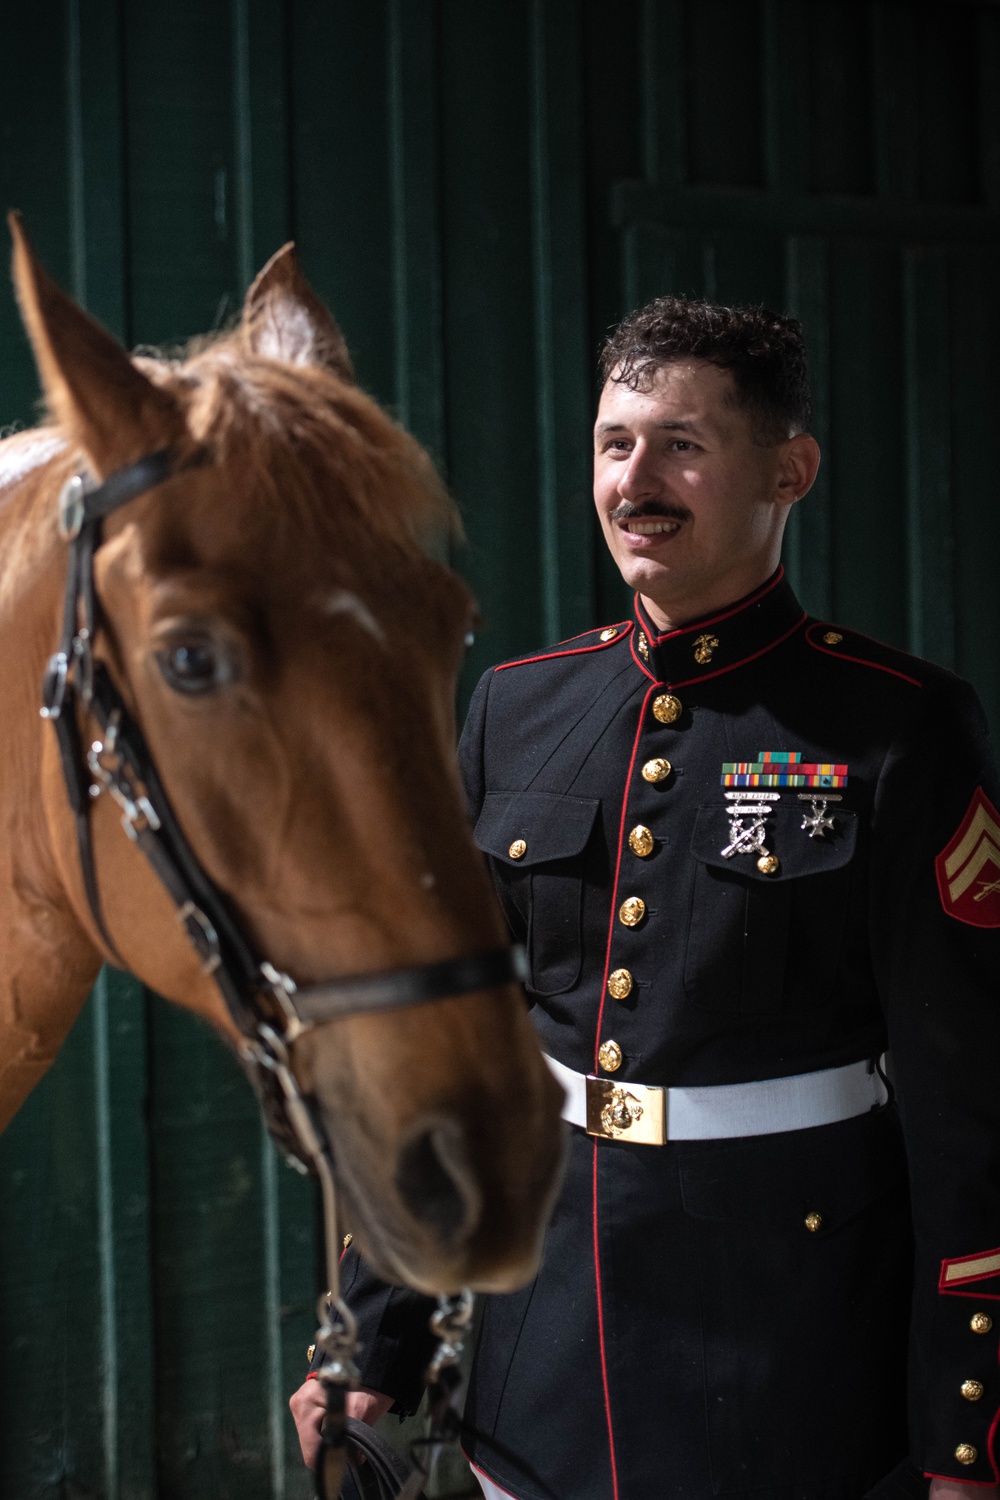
<point>638,479</point>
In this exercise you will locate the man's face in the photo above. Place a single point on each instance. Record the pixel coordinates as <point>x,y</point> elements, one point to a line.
<point>691,507</point>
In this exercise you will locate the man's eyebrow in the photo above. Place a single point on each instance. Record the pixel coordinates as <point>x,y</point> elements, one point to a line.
<point>678,426</point>
<point>603,427</point>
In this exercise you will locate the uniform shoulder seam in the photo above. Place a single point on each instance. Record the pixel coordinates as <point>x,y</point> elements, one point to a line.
<point>606,636</point>
<point>843,644</point>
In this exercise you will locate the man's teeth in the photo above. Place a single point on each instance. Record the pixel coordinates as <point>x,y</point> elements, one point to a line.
<point>651,528</point>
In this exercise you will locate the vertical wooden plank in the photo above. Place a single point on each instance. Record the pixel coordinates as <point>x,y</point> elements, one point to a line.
<point>988,90</point>
<point>930,541</point>
<point>808,547</point>
<point>866,442</point>
<point>489,340</point>
<point>262,209</point>
<point>561,358</point>
<point>664,92</point>
<point>120,1089</point>
<point>416,241</point>
<point>785,68</point>
<point>341,184</point>
<point>33,177</point>
<point>723,61</point>
<point>213,1421</point>
<point>894,54</point>
<point>96,160</point>
<point>51,1417</point>
<point>975,401</point>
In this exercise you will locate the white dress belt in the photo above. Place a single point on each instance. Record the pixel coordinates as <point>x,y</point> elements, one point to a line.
<point>725,1110</point>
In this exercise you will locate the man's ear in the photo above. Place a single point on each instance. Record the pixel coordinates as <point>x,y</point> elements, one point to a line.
<point>102,402</point>
<point>284,319</point>
<point>798,468</point>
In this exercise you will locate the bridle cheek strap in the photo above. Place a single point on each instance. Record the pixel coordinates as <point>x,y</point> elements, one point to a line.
<point>266,1006</point>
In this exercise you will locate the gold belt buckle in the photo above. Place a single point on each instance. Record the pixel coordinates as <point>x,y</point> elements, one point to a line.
<point>626,1112</point>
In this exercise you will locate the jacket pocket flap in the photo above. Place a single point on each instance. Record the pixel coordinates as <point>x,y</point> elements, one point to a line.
<point>797,852</point>
<point>807,1182</point>
<point>549,825</point>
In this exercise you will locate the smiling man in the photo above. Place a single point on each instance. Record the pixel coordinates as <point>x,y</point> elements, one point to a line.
<point>750,853</point>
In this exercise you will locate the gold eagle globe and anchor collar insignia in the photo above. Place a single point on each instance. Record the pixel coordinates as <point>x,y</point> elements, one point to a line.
<point>716,643</point>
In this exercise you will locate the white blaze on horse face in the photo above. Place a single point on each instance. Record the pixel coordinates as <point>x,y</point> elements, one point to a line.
<point>343,602</point>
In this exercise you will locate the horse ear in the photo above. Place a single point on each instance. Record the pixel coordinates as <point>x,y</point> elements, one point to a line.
<point>104,403</point>
<point>284,319</point>
<point>93,389</point>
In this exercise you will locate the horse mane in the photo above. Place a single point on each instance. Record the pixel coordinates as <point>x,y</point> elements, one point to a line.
<point>314,449</point>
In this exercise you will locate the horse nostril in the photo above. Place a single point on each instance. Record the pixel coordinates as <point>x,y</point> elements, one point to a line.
<point>436,1183</point>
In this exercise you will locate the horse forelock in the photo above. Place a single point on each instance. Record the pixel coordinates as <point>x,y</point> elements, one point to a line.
<point>303,446</point>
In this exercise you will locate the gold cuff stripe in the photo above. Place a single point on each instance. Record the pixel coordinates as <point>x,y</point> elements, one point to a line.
<point>966,1270</point>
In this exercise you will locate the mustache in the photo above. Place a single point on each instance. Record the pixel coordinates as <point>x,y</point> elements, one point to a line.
<point>662,508</point>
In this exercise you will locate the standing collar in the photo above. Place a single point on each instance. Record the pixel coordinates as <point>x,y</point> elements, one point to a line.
<point>721,641</point>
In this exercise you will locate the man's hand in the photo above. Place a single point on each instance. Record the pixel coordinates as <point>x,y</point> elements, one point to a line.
<point>951,1489</point>
<point>308,1406</point>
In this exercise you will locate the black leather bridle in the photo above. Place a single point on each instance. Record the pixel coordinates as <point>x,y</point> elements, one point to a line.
<point>268,1008</point>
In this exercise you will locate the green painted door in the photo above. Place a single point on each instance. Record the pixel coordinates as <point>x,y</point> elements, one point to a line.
<point>478,189</point>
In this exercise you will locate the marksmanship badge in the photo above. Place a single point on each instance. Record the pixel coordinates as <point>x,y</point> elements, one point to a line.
<point>968,868</point>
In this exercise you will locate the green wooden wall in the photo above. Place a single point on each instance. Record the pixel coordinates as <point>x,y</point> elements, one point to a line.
<point>479,190</point>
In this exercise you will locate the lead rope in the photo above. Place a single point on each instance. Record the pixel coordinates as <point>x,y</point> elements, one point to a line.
<point>337,1336</point>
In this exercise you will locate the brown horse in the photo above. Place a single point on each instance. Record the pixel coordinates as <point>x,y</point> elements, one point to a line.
<point>275,625</point>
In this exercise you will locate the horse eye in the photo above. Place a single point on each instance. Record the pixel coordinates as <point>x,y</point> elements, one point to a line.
<point>192,667</point>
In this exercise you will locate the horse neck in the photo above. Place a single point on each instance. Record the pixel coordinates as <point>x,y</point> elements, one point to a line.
<point>49,963</point>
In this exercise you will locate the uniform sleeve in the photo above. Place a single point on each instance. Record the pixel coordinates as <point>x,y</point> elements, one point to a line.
<point>936,947</point>
<point>393,1321</point>
<point>471,747</point>
<point>394,1331</point>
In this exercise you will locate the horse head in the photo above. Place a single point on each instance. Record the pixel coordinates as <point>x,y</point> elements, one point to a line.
<point>274,621</point>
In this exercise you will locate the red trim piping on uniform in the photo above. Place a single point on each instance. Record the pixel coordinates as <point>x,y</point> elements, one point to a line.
<point>861,662</point>
<point>313,1375</point>
<point>726,614</point>
<point>983,1484</point>
<point>600,1339</point>
<point>948,1286</point>
<point>597,1044</point>
<point>990,1454</point>
<point>488,1477</point>
<point>721,671</point>
<point>525,661</point>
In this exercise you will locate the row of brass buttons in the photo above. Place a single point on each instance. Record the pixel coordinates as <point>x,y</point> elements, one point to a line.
<point>667,709</point>
<point>973,1390</point>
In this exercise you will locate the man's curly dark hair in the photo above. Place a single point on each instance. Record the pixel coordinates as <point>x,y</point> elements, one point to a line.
<point>763,351</point>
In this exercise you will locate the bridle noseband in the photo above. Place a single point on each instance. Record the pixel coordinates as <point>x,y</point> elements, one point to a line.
<point>269,1010</point>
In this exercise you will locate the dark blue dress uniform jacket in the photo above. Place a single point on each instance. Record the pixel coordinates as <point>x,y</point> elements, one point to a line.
<point>688,1335</point>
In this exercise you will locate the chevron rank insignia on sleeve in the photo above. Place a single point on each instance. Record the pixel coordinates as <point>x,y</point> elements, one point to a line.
<point>968,868</point>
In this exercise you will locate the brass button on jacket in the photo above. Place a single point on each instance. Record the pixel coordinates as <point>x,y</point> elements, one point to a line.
<point>610,1057</point>
<point>980,1322</point>
<point>966,1454</point>
<point>656,770</point>
<point>518,849</point>
<point>632,911</point>
<point>620,984</point>
<point>641,841</point>
<point>610,633</point>
<point>813,1222</point>
<point>973,1390</point>
<point>666,708</point>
